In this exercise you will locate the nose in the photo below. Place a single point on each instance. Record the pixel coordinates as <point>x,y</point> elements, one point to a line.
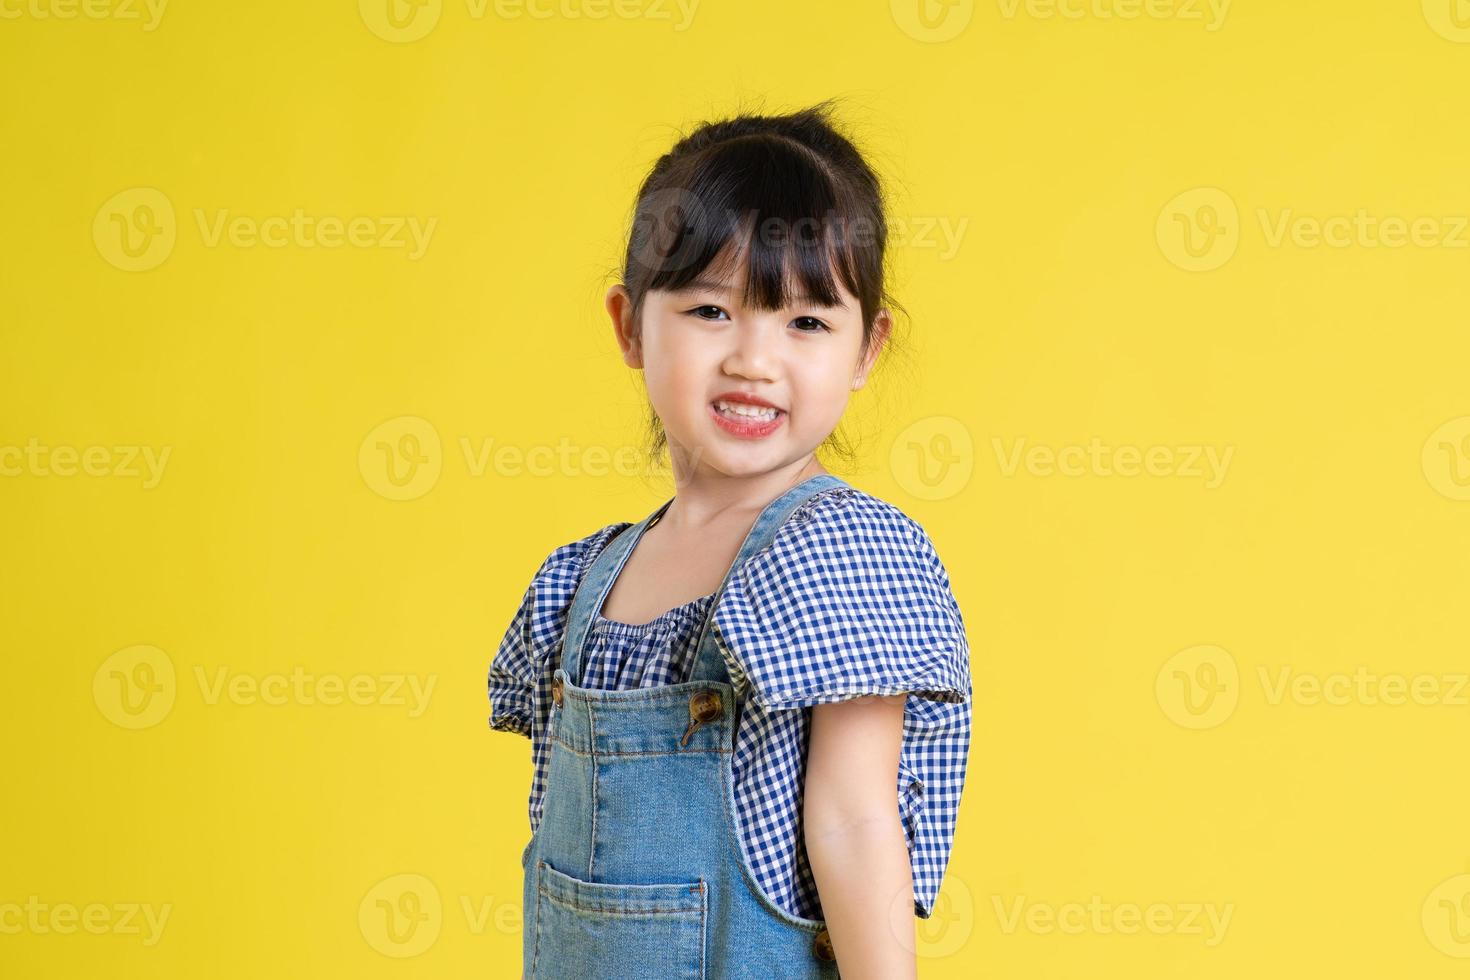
<point>755,352</point>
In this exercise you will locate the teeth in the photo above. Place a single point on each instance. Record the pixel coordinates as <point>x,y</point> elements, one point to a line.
<point>746,411</point>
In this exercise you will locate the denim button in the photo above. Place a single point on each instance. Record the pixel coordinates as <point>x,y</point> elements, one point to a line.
<point>822,946</point>
<point>705,706</point>
<point>556,690</point>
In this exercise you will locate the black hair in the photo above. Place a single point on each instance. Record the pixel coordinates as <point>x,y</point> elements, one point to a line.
<point>788,192</point>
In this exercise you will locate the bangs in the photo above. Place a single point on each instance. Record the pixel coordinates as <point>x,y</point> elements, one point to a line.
<point>766,202</point>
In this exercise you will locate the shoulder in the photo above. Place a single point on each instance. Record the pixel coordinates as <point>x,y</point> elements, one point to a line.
<point>849,598</point>
<point>846,543</point>
<point>851,524</point>
<point>547,600</point>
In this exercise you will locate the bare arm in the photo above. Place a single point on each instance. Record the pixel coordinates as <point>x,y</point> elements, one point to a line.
<point>854,839</point>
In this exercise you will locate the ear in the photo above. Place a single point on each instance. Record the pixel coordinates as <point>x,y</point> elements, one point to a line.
<point>882,326</point>
<point>620,310</point>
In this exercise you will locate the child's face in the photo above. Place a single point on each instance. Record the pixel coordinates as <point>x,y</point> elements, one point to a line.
<point>701,343</point>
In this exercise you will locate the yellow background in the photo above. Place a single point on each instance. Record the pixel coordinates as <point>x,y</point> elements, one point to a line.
<point>1066,148</point>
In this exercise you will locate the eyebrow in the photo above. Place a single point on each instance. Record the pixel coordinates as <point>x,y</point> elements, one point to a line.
<point>711,285</point>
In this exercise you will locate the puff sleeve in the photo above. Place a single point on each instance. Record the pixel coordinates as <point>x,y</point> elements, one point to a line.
<point>512,677</point>
<point>519,678</point>
<point>849,599</point>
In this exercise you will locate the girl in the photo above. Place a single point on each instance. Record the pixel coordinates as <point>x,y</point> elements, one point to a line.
<point>761,780</point>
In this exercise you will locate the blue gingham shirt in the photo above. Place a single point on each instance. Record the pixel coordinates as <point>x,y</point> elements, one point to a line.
<point>850,599</point>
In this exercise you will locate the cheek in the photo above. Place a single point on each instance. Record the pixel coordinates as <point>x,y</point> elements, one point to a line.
<point>669,388</point>
<point>823,389</point>
<point>675,369</point>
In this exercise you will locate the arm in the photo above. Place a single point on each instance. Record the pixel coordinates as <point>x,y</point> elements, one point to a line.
<point>854,840</point>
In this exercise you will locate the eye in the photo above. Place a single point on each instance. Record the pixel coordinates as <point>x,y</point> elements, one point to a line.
<point>819,325</point>
<point>702,312</point>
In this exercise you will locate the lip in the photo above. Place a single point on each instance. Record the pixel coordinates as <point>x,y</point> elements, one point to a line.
<point>739,427</point>
<point>746,398</point>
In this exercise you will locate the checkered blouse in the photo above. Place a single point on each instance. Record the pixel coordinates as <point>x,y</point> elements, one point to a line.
<point>850,599</point>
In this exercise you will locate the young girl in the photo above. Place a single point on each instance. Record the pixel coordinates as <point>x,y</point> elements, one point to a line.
<point>750,711</point>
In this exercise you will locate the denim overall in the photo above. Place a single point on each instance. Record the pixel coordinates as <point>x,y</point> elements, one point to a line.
<point>636,869</point>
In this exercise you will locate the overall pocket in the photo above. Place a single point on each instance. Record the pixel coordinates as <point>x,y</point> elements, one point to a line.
<point>601,931</point>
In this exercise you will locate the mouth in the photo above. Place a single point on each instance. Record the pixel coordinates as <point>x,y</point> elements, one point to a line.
<point>748,421</point>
